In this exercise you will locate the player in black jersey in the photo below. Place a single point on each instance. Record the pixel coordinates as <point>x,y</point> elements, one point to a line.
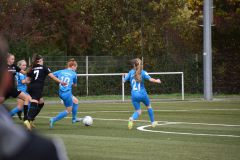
<point>37,75</point>
<point>13,92</point>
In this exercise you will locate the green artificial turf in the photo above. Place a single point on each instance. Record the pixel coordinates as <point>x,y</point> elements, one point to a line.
<point>109,138</point>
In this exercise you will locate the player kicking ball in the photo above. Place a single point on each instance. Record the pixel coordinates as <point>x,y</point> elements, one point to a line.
<point>136,76</point>
<point>68,76</point>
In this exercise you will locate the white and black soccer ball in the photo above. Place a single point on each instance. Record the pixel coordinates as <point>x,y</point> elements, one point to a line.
<point>87,121</point>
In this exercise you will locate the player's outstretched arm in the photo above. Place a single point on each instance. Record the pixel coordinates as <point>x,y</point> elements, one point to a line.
<point>126,77</point>
<point>56,79</point>
<point>155,80</point>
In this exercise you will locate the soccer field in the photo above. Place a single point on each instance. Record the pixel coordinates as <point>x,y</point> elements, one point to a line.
<point>186,130</point>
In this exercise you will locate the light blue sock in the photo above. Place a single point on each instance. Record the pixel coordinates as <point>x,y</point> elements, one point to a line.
<point>74,111</point>
<point>151,115</point>
<point>14,111</point>
<point>135,115</point>
<point>60,116</point>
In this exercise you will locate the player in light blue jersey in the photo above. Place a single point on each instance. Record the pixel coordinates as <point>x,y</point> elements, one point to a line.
<point>65,92</point>
<point>137,76</point>
<point>21,86</point>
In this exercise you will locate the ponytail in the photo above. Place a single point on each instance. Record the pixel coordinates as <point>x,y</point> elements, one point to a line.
<point>137,64</point>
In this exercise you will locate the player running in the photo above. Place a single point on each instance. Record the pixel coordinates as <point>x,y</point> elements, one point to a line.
<point>136,76</point>
<point>37,74</point>
<point>13,91</point>
<point>21,86</point>
<point>69,76</point>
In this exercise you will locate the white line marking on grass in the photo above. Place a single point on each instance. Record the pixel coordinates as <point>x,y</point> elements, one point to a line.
<point>102,112</point>
<point>164,122</point>
<point>142,128</point>
<point>101,119</point>
<point>163,110</point>
<point>206,124</point>
<point>190,110</point>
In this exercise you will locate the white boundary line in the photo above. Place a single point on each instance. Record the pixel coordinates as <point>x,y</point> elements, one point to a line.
<point>164,122</point>
<point>163,110</point>
<point>142,128</point>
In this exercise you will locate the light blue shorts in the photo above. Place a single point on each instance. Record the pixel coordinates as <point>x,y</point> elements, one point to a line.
<point>67,98</point>
<point>138,97</point>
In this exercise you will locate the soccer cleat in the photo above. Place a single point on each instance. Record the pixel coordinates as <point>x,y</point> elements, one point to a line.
<point>154,124</point>
<point>19,113</point>
<point>51,123</point>
<point>27,125</point>
<point>32,124</point>
<point>130,123</point>
<point>77,120</point>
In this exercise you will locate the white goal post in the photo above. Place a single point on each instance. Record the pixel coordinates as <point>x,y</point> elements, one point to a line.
<point>122,75</point>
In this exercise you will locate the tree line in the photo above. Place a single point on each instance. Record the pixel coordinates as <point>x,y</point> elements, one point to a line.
<point>168,34</point>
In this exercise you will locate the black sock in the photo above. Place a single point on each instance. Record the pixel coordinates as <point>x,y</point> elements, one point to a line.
<point>19,113</point>
<point>40,106</point>
<point>32,111</point>
<point>25,112</point>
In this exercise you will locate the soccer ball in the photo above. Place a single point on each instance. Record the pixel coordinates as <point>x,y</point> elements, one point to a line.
<point>87,121</point>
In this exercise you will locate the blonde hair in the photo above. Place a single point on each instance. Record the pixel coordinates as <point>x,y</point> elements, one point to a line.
<point>19,63</point>
<point>137,64</point>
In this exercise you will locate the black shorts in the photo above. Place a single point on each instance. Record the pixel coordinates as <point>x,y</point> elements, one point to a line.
<point>13,92</point>
<point>35,91</point>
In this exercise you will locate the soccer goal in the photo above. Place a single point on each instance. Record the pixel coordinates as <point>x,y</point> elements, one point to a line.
<point>112,84</point>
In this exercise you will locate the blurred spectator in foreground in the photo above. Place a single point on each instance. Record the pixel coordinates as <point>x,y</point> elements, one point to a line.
<point>15,142</point>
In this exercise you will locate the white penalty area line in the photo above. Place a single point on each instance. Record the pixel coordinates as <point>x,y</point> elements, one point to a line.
<point>163,110</point>
<point>143,128</point>
<point>101,119</point>
<point>168,122</point>
<point>161,122</point>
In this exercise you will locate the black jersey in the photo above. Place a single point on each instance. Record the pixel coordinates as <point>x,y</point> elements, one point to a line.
<point>13,69</point>
<point>38,74</point>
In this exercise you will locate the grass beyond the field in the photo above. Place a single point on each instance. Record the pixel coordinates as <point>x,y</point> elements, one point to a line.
<point>192,131</point>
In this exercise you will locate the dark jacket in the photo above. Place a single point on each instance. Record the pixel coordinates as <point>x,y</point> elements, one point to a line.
<point>18,144</point>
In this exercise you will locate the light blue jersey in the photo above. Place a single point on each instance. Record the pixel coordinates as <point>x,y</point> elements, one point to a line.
<point>21,86</point>
<point>138,90</point>
<point>138,95</point>
<point>65,92</point>
<point>67,75</point>
<point>137,86</point>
